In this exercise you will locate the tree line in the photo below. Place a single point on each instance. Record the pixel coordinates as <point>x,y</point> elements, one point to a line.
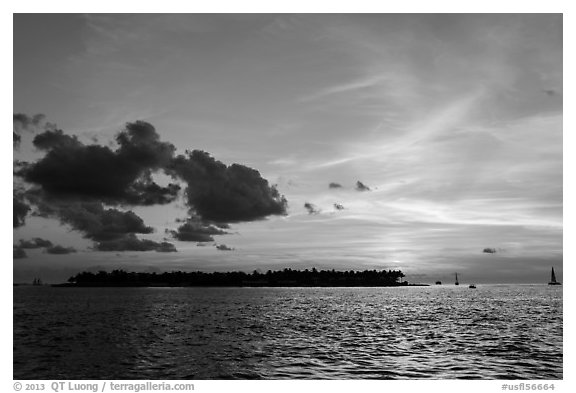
<point>279,278</point>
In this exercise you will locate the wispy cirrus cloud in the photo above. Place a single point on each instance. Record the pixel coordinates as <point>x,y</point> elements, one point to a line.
<point>352,86</point>
<point>413,137</point>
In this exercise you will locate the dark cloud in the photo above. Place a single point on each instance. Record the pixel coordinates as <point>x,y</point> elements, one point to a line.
<point>147,192</point>
<point>80,171</point>
<point>19,165</point>
<point>361,186</point>
<point>140,143</point>
<point>34,243</point>
<point>18,253</point>
<point>19,209</point>
<point>94,221</point>
<point>224,247</point>
<point>338,206</point>
<point>71,169</point>
<point>73,180</point>
<point>223,193</point>
<point>166,247</point>
<point>55,139</point>
<point>334,185</point>
<point>16,140</point>
<point>60,250</point>
<point>22,121</point>
<point>312,209</point>
<point>130,242</point>
<point>489,250</point>
<point>194,230</point>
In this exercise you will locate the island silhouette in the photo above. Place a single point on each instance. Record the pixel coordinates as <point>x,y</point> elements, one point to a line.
<point>280,278</point>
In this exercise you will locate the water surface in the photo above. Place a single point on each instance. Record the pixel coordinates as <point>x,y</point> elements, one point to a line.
<point>441,332</point>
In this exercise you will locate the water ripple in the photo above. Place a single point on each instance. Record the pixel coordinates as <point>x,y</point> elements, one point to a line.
<point>494,332</point>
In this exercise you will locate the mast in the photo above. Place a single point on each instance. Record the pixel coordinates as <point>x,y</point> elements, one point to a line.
<point>456,283</point>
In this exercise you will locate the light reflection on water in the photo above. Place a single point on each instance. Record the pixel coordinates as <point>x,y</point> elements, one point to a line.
<point>493,332</point>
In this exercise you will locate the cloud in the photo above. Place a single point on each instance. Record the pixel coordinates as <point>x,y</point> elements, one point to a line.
<point>334,185</point>
<point>223,193</point>
<point>194,230</point>
<point>42,243</point>
<point>60,250</point>
<point>74,180</point>
<point>361,186</point>
<point>130,242</point>
<point>18,253</point>
<point>147,192</point>
<point>51,139</point>
<point>359,84</point>
<point>224,247</point>
<point>94,221</point>
<point>312,209</point>
<point>16,140</point>
<point>34,243</point>
<point>19,210</point>
<point>71,169</point>
<point>166,247</point>
<point>22,121</point>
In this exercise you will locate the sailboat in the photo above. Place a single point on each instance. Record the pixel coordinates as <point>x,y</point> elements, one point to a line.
<point>553,279</point>
<point>456,283</point>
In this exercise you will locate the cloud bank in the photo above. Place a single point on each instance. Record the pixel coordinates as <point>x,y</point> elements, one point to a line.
<point>71,169</point>
<point>74,181</point>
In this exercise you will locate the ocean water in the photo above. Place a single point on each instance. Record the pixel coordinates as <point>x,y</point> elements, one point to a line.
<point>439,332</point>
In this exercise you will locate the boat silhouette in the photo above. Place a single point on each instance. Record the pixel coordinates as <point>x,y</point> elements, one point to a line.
<point>456,283</point>
<point>553,279</point>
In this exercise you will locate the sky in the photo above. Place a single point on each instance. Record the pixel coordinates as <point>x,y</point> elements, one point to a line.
<point>380,141</point>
